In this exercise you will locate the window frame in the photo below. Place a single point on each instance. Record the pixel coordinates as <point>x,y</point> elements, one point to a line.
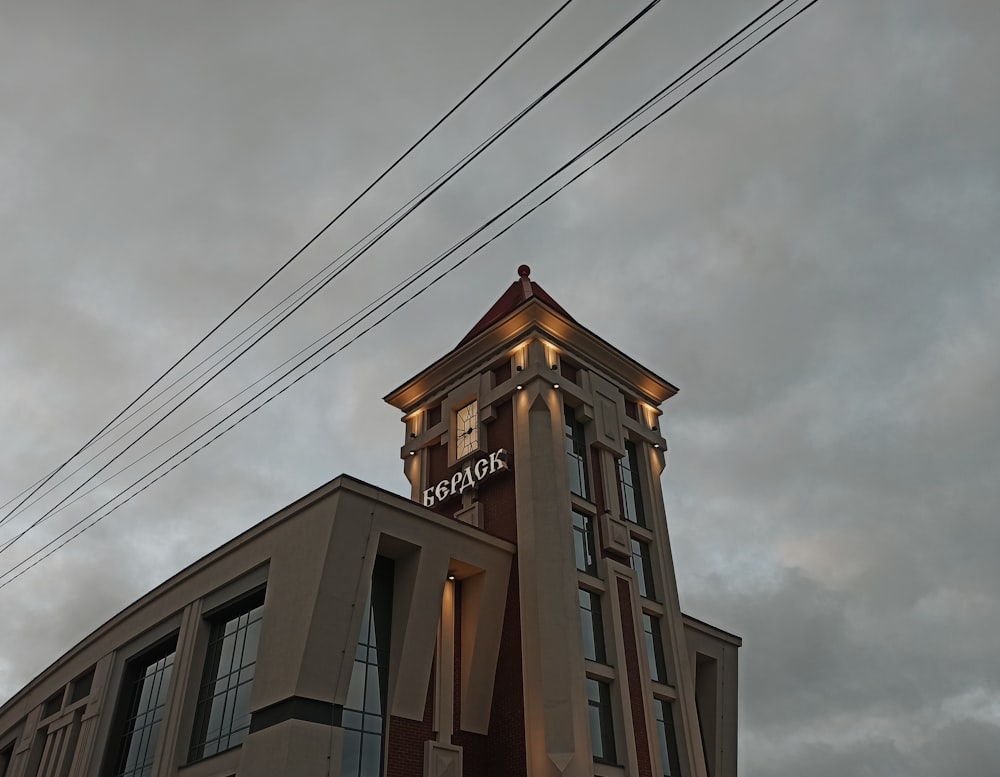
<point>355,721</point>
<point>218,621</point>
<point>588,534</point>
<point>473,431</point>
<point>596,625</point>
<point>606,721</point>
<point>666,737</point>
<point>655,656</point>
<point>576,453</point>
<point>129,697</point>
<point>645,572</point>
<point>629,464</point>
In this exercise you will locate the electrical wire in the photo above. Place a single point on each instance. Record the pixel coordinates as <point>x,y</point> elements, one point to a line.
<point>423,198</point>
<point>35,558</point>
<point>34,488</point>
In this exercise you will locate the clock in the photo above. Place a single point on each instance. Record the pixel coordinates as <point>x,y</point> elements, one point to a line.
<point>467,429</point>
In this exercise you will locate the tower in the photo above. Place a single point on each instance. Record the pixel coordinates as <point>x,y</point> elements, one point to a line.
<point>536,431</point>
<point>516,617</point>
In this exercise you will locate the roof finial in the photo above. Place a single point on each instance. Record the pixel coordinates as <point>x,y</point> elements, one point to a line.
<point>524,271</point>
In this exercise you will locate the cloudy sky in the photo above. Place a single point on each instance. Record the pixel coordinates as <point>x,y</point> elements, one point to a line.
<point>808,248</point>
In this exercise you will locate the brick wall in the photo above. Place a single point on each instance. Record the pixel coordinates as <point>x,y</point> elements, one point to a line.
<point>634,681</point>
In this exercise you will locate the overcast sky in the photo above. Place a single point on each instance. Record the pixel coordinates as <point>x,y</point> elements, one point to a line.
<point>808,248</point>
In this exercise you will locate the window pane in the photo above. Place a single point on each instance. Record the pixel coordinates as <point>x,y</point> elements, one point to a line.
<point>143,699</point>
<point>223,716</point>
<point>665,735</point>
<point>583,541</point>
<point>364,716</point>
<point>654,648</point>
<point>643,565</point>
<point>592,626</point>
<point>628,474</point>
<point>602,732</point>
<point>576,455</point>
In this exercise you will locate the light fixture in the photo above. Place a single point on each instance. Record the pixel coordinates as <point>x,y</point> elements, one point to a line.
<point>656,445</point>
<point>555,385</point>
<point>413,453</point>
<point>413,436</point>
<point>519,387</point>
<point>451,576</point>
<point>555,366</point>
<point>519,368</point>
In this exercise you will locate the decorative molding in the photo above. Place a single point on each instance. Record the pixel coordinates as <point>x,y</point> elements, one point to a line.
<point>615,536</point>
<point>442,760</point>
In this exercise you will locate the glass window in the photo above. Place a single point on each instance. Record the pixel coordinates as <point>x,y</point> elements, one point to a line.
<point>654,648</point>
<point>592,625</point>
<point>222,719</point>
<point>602,729</point>
<point>364,716</point>
<point>583,542</point>
<point>628,474</point>
<point>576,455</point>
<point>142,701</point>
<point>665,734</point>
<point>467,429</point>
<point>642,563</point>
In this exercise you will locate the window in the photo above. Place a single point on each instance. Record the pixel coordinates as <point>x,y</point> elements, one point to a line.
<point>141,705</point>
<point>602,729</point>
<point>583,542</point>
<point>576,455</point>
<point>467,429</point>
<point>592,625</point>
<point>222,719</point>
<point>365,716</point>
<point>53,704</point>
<point>81,687</point>
<point>654,648</point>
<point>6,756</point>
<point>642,563</point>
<point>628,474</point>
<point>665,734</point>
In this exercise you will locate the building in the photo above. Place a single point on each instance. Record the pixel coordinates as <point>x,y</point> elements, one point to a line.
<point>517,616</point>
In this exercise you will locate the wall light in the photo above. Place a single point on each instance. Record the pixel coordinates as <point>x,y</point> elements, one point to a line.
<point>451,576</point>
<point>656,445</point>
<point>519,368</point>
<point>413,453</point>
<point>519,387</point>
<point>555,385</point>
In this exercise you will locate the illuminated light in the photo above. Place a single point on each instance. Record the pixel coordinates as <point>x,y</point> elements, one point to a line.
<point>520,387</point>
<point>451,576</point>
<point>656,445</point>
<point>555,385</point>
<point>413,453</point>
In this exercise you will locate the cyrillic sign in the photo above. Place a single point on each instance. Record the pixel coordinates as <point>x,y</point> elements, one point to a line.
<point>469,477</point>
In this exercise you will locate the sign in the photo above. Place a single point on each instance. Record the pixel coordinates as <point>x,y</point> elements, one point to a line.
<point>467,478</point>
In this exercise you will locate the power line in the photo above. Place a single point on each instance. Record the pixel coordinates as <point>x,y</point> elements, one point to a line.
<point>402,304</point>
<point>33,489</point>
<point>423,198</point>
<point>428,193</point>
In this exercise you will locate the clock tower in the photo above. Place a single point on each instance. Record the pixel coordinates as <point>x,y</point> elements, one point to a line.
<point>538,432</point>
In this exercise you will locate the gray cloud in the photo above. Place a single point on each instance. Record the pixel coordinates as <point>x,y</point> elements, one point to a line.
<point>807,247</point>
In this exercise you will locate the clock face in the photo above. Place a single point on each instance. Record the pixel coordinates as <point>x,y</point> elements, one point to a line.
<point>467,429</point>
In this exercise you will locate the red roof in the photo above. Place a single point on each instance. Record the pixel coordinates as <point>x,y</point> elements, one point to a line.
<point>519,292</point>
